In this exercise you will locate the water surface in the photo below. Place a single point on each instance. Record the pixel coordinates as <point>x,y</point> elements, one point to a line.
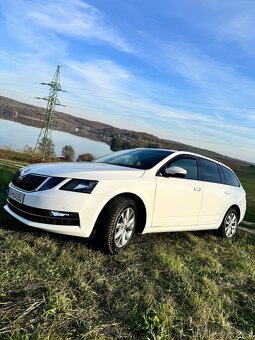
<point>18,136</point>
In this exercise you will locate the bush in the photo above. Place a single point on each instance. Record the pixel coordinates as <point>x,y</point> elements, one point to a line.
<point>85,157</point>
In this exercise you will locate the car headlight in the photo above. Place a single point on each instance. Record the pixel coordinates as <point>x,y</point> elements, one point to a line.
<point>79,185</point>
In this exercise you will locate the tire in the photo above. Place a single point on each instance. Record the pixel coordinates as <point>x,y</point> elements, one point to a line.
<point>116,225</point>
<point>229,224</point>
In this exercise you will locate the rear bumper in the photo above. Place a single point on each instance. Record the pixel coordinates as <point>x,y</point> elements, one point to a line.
<point>243,209</point>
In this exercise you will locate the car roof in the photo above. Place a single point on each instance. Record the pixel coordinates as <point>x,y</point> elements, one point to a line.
<point>181,152</point>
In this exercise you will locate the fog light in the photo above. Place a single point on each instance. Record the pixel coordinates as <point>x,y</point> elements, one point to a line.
<point>59,213</point>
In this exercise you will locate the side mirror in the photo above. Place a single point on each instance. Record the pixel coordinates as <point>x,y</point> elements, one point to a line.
<point>176,171</point>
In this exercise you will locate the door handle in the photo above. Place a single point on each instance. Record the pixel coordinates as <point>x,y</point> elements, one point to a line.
<point>198,189</point>
<point>227,192</point>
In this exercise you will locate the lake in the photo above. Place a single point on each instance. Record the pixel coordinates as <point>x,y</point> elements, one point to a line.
<point>18,136</point>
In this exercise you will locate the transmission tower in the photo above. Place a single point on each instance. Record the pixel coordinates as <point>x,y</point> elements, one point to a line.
<point>44,141</point>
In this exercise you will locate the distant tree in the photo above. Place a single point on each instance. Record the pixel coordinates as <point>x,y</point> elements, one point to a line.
<point>126,145</point>
<point>68,153</point>
<point>49,147</point>
<point>116,143</point>
<point>85,157</point>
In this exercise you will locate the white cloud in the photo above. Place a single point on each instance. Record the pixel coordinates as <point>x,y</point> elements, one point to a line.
<point>8,56</point>
<point>239,28</point>
<point>230,22</point>
<point>104,74</point>
<point>74,18</point>
<point>214,80</point>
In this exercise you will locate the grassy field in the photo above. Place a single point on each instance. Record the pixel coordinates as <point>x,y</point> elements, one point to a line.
<point>168,286</point>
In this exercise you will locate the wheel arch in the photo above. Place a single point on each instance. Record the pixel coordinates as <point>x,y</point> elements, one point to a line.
<point>237,209</point>
<point>141,209</point>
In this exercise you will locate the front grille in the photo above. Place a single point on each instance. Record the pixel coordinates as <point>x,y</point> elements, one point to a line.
<point>28,182</point>
<point>42,215</point>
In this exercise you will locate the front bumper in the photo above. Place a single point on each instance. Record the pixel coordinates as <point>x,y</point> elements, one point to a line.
<point>42,215</point>
<point>63,229</point>
<point>35,211</point>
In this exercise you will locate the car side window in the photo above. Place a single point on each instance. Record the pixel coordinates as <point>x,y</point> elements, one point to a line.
<point>222,175</point>
<point>189,164</point>
<point>209,171</point>
<point>230,177</point>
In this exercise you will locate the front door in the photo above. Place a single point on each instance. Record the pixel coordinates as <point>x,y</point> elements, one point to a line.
<point>178,200</point>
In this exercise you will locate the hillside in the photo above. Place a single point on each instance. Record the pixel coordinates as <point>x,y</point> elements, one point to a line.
<point>117,138</point>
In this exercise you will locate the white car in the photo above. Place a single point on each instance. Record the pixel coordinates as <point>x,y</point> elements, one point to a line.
<point>137,190</point>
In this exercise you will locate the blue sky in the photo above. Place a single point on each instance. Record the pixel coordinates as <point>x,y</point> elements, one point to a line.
<point>181,70</point>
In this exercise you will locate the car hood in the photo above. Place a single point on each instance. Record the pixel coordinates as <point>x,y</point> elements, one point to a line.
<point>83,170</point>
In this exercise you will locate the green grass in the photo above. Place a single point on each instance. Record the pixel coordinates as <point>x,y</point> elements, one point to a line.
<point>247,176</point>
<point>6,173</point>
<point>180,285</point>
<point>165,286</point>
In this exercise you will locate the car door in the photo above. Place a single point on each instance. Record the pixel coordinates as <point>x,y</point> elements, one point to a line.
<point>178,200</point>
<point>216,194</point>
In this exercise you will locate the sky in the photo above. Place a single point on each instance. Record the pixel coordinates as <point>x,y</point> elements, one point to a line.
<point>181,70</point>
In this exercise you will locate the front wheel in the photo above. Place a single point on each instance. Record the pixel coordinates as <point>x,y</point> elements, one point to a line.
<point>117,224</point>
<point>229,224</point>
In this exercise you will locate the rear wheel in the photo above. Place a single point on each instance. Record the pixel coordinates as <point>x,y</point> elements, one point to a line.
<point>229,224</point>
<point>117,224</point>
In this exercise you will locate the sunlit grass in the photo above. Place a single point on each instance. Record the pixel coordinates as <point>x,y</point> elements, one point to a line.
<point>165,286</point>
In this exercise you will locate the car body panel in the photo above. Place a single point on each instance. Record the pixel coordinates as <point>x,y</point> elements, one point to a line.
<point>84,170</point>
<point>216,197</point>
<point>176,209</point>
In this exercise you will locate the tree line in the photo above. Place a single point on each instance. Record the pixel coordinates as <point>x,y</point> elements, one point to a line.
<point>67,153</point>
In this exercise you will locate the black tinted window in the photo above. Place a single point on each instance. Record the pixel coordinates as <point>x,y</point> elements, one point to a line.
<point>230,177</point>
<point>136,158</point>
<point>189,164</point>
<point>222,176</point>
<point>209,171</point>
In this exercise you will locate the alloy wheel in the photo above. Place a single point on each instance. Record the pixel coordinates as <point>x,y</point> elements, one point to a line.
<point>124,227</point>
<point>231,224</point>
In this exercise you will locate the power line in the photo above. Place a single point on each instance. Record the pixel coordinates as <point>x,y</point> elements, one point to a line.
<point>150,75</point>
<point>177,118</point>
<point>176,138</point>
<point>137,115</point>
<point>171,100</point>
<point>168,103</point>
<point>104,89</point>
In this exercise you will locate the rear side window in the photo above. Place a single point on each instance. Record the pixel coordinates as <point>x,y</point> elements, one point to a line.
<point>230,177</point>
<point>189,164</point>
<point>209,171</point>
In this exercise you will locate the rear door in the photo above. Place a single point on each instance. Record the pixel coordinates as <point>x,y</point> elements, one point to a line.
<point>216,194</point>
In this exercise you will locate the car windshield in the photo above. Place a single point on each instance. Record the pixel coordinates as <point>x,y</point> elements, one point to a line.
<point>138,158</point>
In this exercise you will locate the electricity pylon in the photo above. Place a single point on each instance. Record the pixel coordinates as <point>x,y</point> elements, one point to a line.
<point>44,140</point>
